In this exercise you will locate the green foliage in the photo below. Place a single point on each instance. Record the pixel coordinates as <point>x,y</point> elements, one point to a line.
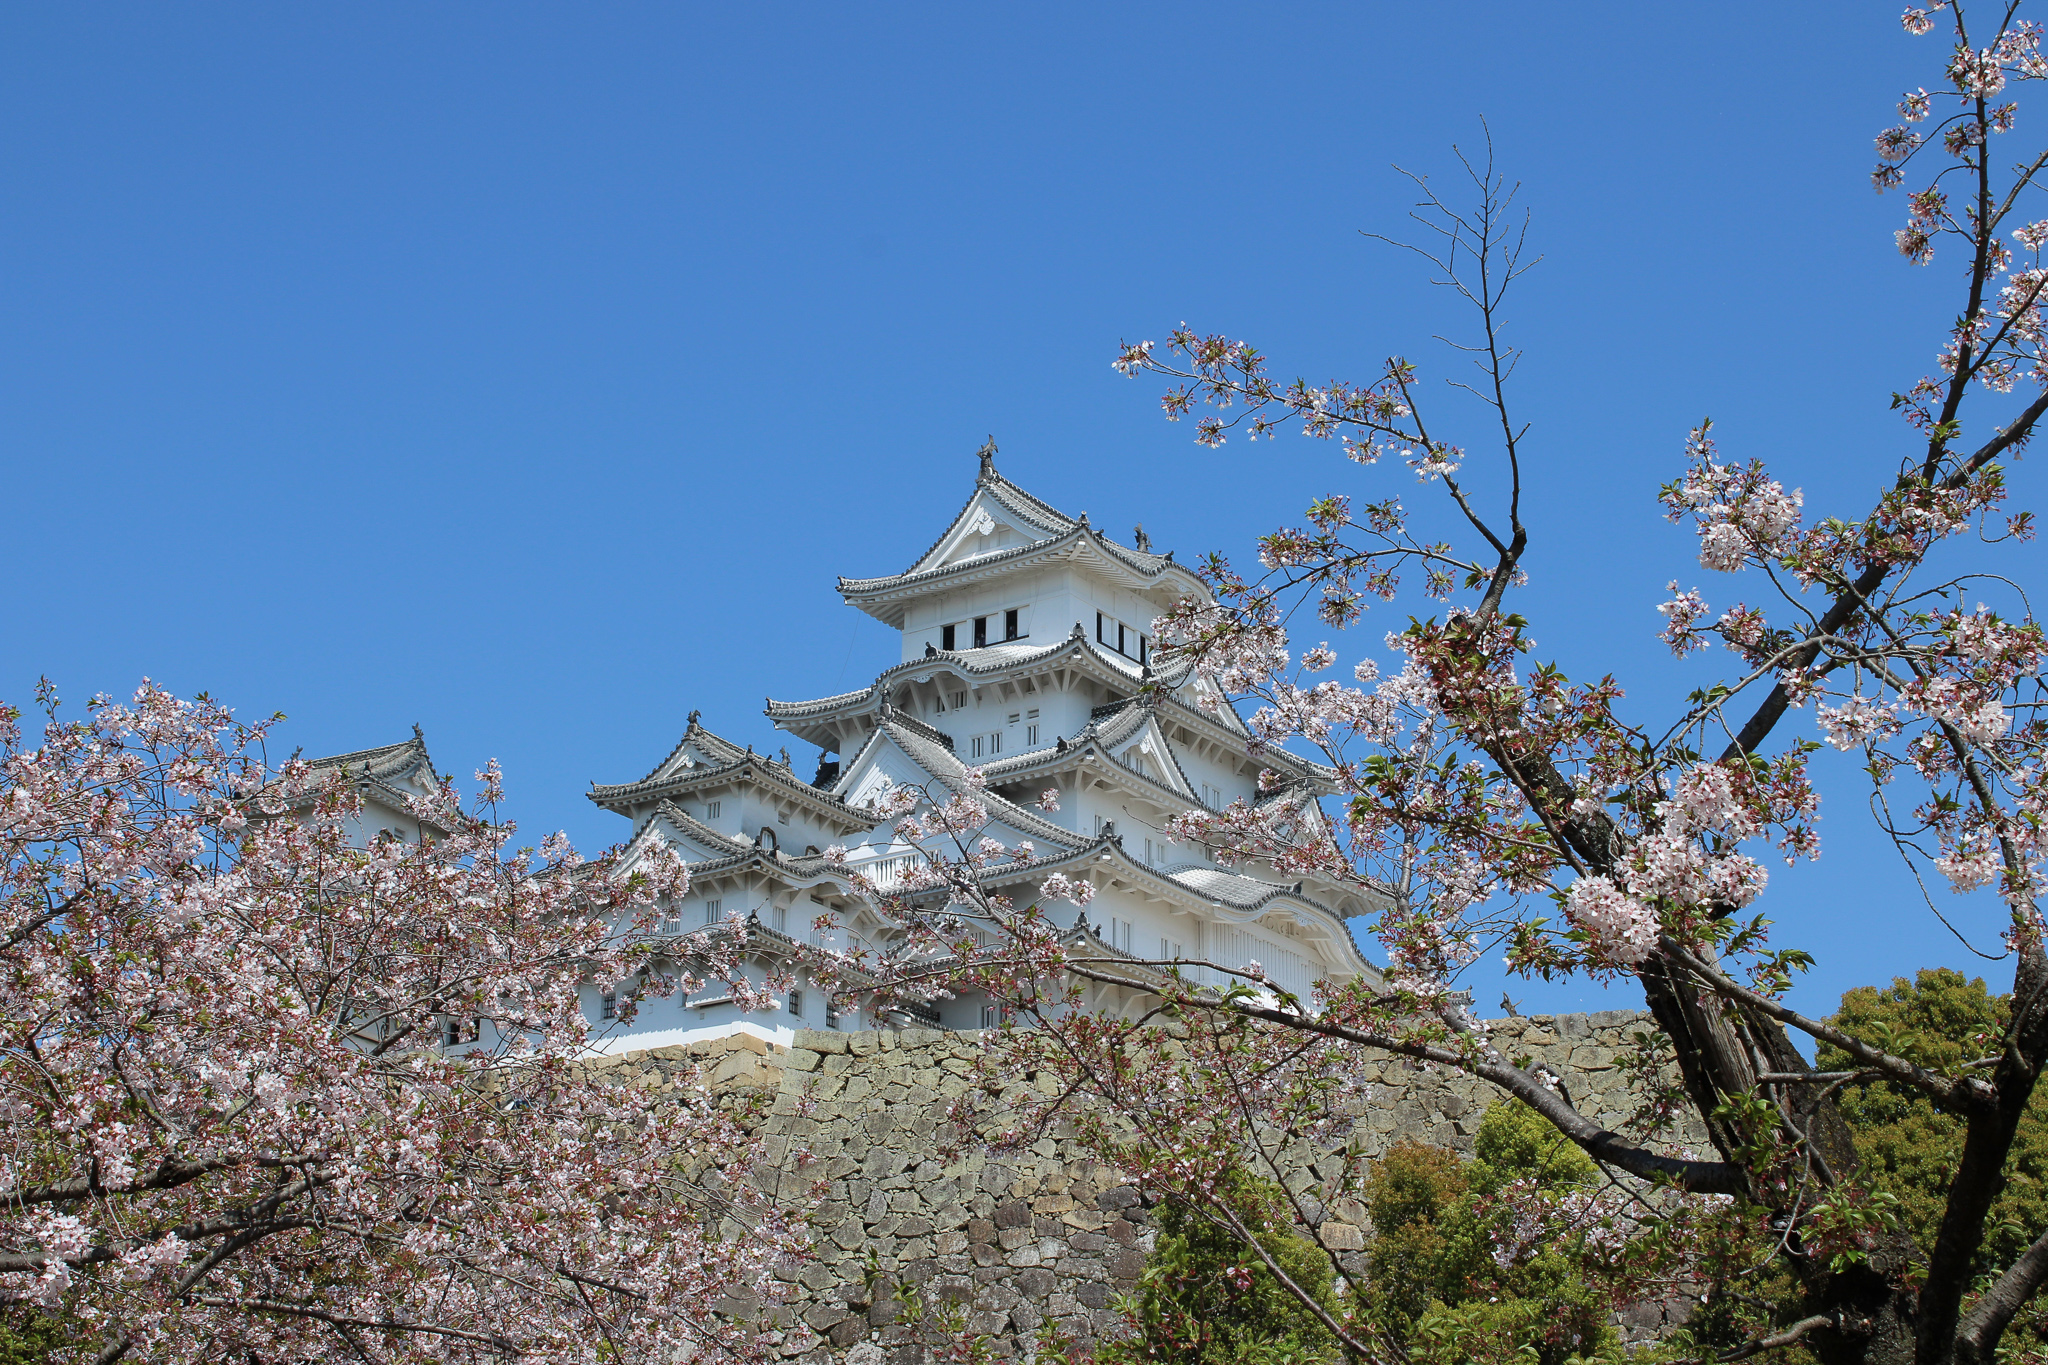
<point>1908,1146</point>
<point>1432,1281</point>
<point>1206,1298</point>
<point>1515,1142</point>
<point>28,1337</point>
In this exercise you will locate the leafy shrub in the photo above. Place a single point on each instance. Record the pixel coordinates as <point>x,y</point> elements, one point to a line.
<point>1453,1270</point>
<point>1206,1298</point>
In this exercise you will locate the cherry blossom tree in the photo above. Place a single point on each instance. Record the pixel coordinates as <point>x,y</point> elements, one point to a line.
<point>1485,796</point>
<point>271,1097</point>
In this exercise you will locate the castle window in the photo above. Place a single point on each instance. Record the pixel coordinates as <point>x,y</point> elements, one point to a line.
<point>782,919</point>
<point>1010,624</point>
<point>991,1017</point>
<point>455,1032</point>
<point>977,746</point>
<point>1031,733</point>
<point>711,810</point>
<point>714,911</point>
<point>831,1015</point>
<point>1120,638</point>
<point>608,1005</point>
<point>946,636</point>
<point>1013,718</point>
<point>796,1004</point>
<point>1100,638</point>
<point>959,701</point>
<point>1120,934</point>
<point>980,631</point>
<point>1143,656</point>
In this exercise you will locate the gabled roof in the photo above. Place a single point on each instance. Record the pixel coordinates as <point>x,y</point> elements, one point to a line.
<point>390,774</point>
<point>729,853</point>
<point>926,748</point>
<point>992,663</point>
<point>992,489</point>
<point>723,763</point>
<point>1241,899</point>
<point>1052,534</point>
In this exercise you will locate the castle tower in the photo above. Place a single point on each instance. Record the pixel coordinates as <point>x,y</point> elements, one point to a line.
<point>1026,653</point>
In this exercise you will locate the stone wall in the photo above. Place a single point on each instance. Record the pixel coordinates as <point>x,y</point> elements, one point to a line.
<point>1011,1240</point>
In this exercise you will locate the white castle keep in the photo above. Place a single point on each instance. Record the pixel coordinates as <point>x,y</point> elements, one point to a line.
<point>1026,653</point>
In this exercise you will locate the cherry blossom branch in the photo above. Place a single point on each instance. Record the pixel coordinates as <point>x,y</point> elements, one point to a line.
<point>495,1341</point>
<point>1698,1177</point>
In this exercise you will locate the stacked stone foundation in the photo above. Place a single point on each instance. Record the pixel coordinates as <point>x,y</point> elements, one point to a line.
<point>911,1236</point>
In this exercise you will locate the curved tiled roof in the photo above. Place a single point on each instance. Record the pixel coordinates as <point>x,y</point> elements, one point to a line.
<point>990,662</point>
<point>737,853</point>
<point>1145,565</point>
<point>1243,895</point>
<point>376,772</point>
<point>737,765</point>
<point>1018,501</point>
<point>925,748</point>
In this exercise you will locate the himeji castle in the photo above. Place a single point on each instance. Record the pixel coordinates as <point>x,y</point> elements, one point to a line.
<point>1026,650</point>
<point>1026,654</point>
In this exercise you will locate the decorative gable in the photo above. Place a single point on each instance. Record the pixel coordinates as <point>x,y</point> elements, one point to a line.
<point>985,525</point>
<point>1147,753</point>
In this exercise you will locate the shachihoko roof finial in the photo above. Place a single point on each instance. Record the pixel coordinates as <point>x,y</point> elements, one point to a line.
<point>1140,539</point>
<point>988,458</point>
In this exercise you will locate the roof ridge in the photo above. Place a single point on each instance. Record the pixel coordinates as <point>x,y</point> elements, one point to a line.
<point>1004,809</point>
<point>354,755</point>
<point>1156,568</point>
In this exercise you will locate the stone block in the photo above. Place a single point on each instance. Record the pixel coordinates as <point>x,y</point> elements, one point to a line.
<point>1342,1236</point>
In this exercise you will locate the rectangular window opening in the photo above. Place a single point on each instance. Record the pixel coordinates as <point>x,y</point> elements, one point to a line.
<point>714,911</point>
<point>1144,656</point>
<point>991,1017</point>
<point>946,637</point>
<point>608,1005</point>
<point>1100,639</point>
<point>977,746</point>
<point>1120,638</point>
<point>1010,624</point>
<point>1031,734</point>
<point>711,809</point>
<point>980,631</point>
<point>959,701</point>
<point>796,1004</point>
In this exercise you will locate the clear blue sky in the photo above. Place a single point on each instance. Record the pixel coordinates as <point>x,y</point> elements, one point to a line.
<point>529,372</point>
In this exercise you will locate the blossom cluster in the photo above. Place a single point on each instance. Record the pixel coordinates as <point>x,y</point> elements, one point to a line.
<point>276,1095</point>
